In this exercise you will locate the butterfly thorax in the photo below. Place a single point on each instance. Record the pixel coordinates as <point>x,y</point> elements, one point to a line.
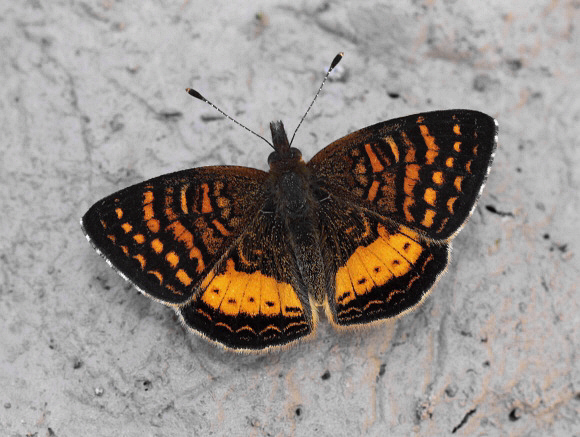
<point>290,178</point>
<point>284,158</point>
<point>294,201</point>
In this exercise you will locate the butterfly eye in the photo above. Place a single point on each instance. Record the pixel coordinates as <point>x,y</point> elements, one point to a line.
<point>295,153</point>
<point>274,156</point>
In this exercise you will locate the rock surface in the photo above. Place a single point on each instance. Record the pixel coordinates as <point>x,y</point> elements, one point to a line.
<point>92,101</point>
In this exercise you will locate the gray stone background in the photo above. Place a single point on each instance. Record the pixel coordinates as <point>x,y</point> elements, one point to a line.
<point>92,100</point>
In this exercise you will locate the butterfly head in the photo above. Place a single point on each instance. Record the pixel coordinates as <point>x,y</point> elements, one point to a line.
<point>284,157</point>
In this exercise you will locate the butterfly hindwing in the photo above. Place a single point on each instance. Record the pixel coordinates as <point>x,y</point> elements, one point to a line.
<point>377,268</point>
<point>425,171</point>
<point>253,298</point>
<point>166,234</point>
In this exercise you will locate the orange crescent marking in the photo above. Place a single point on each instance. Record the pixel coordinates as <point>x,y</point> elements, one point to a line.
<point>229,328</point>
<point>203,313</point>
<point>450,203</point>
<point>158,275</point>
<point>457,182</point>
<point>245,328</point>
<point>119,212</point>
<point>195,253</point>
<point>141,260</point>
<point>275,328</point>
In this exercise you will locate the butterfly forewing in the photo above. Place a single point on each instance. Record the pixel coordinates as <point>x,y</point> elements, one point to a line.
<point>167,233</point>
<point>425,171</point>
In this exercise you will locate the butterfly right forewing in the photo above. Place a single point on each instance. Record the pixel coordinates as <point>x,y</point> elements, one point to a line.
<point>425,171</point>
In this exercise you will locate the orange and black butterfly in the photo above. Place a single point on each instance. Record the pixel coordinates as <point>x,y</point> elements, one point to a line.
<point>246,257</point>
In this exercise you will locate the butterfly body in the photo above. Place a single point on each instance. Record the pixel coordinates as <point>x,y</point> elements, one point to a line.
<point>363,229</point>
<point>296,197</point>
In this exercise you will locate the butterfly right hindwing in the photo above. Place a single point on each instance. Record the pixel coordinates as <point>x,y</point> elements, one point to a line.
<point>377,268</point>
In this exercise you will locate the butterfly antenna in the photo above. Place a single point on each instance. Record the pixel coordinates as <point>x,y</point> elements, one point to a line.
<point>197,95</point>
<point>334,63</point>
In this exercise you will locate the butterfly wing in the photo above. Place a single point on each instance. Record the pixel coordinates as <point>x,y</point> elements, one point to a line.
<point>252,299</point>
<point>377,268</point>
<point>425,171</point>
<point>166,234</point>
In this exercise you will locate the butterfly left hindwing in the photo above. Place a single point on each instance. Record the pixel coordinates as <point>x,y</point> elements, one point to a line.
<point>253,298</point>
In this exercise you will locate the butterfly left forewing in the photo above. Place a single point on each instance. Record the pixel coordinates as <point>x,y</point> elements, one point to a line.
<point>425,171</point>
<point>166,234</point>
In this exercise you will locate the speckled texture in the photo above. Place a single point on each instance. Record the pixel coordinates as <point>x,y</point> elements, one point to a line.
<point>93,99</point>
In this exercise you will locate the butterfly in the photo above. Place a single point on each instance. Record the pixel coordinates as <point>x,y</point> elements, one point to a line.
<point>363,230</point>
